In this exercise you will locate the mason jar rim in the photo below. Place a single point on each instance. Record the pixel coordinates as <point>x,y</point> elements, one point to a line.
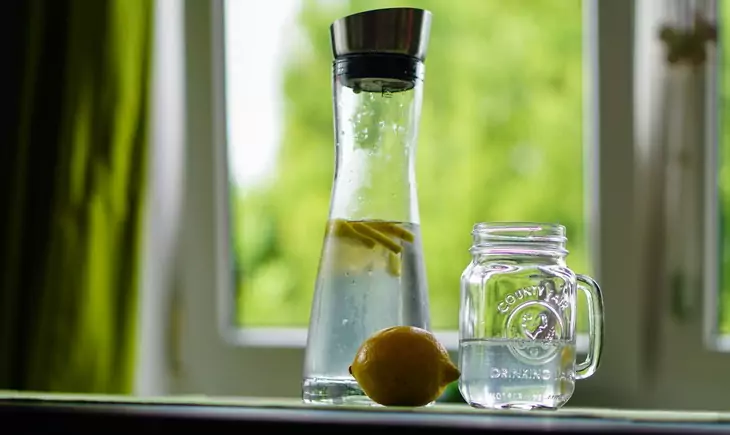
<point>519,232</point>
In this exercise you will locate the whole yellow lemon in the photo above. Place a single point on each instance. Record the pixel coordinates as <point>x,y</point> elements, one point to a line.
<point>403,366</point>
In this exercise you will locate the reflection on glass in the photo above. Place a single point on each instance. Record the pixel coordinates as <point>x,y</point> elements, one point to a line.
<point>500,139</point>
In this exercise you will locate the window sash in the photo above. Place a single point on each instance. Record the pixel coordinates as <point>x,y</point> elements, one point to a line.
<point>211,365</point>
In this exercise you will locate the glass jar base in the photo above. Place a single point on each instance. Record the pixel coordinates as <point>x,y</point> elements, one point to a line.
<point>516,406</point>
<point>334,391</point>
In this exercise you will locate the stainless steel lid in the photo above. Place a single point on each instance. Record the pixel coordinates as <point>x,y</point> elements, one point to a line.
<point>394,31</point>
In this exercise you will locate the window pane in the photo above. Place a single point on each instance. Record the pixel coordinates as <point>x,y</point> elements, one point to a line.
<point>724,125</point>
<point>500,139</point>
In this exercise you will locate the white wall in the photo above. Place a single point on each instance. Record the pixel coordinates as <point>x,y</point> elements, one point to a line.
<point>164,199</point>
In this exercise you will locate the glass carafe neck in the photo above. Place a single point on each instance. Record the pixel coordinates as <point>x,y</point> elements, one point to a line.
<point>527,241</point>
<point>376,129</point>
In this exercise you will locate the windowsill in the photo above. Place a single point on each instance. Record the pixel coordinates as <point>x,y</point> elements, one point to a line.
<point>78,413</point>
<point>297,338</point>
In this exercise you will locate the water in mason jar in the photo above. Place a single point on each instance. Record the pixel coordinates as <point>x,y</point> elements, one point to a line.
<point>371,277</point>
<point>526,374</point>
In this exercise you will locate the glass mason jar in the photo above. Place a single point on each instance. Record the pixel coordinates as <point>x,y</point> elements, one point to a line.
<point>517,329</point>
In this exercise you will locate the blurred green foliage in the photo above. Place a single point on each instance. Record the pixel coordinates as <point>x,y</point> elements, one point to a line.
<point>500,139</point>
<point>724,180</point>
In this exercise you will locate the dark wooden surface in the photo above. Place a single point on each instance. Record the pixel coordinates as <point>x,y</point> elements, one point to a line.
<point>19,416</point>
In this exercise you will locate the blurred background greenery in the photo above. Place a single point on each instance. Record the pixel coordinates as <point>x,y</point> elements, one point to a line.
<point>724,178</point>
<point>501,138</point>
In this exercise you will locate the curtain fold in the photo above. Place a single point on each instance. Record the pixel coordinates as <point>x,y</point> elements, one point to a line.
<point>73,185</point>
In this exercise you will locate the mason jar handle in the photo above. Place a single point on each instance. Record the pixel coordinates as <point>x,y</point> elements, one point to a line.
<point>595,329</point>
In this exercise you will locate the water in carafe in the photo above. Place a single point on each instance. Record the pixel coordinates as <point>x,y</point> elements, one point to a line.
<point>371,272</point>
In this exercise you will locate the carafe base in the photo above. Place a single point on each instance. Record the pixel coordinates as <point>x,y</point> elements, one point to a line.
<point>334,391</point>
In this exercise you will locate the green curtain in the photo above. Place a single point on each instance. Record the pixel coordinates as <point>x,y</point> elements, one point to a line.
<point>72,185</point>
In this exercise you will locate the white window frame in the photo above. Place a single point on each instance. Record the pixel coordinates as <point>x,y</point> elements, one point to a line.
<point>204,357</point>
